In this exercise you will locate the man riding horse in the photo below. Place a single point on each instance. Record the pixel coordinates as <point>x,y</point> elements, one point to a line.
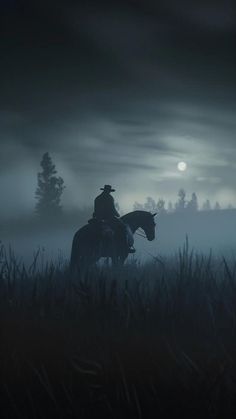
<point>105,212</point>
<point>107,234</point>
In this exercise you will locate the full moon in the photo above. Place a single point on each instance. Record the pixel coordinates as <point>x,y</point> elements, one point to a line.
<point>182,166</point>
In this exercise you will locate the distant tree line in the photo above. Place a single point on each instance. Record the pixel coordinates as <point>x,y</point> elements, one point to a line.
<point>182,204</point>
<point>50,188</point>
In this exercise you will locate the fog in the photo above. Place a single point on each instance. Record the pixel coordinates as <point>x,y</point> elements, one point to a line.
<point>206,231</point>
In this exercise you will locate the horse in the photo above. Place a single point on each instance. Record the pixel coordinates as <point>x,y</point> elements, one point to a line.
<point>90,242</point>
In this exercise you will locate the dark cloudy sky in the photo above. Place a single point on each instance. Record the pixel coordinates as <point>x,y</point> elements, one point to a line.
<point>119,93</point>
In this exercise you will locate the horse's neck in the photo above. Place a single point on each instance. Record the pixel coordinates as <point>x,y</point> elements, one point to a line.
<point>132,220</point>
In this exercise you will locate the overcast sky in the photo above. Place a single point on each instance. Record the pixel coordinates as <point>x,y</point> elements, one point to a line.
<point>118,93</point>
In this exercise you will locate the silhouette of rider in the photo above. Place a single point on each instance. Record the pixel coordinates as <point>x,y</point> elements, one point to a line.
<point>105,210</point>
<point>104,205</point>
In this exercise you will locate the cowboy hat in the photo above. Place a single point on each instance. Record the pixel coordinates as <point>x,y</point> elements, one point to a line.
<point>107,188</point>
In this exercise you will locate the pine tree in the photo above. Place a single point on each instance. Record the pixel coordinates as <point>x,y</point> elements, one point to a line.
<point>217,206</point>
<point>150,205</point>
<point>49,190</point>
<point>206,205</point>
<point>161,206</point>
<point>193,203</point>
<point>181,204</point>
<point>170,206</point>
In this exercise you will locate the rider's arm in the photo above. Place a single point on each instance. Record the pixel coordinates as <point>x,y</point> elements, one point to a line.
<point>114,210</point>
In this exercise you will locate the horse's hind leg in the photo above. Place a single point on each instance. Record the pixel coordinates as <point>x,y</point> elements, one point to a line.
<point>122,260</point>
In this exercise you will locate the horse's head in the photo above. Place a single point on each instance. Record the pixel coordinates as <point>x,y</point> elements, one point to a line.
<point>148,225</point>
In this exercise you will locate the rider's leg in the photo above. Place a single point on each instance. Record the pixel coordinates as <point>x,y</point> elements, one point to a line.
<point>122,228</point>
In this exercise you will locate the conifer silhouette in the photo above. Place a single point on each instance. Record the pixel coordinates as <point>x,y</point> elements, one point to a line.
<point>49,190</point>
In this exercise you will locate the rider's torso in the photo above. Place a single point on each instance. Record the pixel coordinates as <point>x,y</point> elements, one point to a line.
<point>104,207</point>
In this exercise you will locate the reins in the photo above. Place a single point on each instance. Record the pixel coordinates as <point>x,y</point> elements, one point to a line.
<point>141,235</point>
<point>138,232</point>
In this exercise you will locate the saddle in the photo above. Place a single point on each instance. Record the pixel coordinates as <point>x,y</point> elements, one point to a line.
<point>112,228</point>
<point>102,225</point>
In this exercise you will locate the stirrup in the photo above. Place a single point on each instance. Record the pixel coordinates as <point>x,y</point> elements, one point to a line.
<point>132,250</point>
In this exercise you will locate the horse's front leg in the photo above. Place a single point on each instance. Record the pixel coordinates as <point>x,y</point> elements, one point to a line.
<point>123,259</point>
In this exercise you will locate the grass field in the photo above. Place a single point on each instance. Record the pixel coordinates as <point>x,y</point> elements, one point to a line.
<point>155,340</point>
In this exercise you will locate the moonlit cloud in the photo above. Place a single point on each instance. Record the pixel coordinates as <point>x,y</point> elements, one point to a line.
<point>119,94</point>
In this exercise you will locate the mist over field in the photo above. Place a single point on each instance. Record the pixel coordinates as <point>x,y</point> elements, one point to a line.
<point>206,231</point>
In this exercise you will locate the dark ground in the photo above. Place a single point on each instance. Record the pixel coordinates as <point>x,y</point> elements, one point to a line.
<point>142,341</point>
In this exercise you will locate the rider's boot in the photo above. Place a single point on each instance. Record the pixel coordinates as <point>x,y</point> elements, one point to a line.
<point>132,249</point>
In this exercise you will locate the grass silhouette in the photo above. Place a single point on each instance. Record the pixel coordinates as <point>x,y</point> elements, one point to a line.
<point>142,341</point>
